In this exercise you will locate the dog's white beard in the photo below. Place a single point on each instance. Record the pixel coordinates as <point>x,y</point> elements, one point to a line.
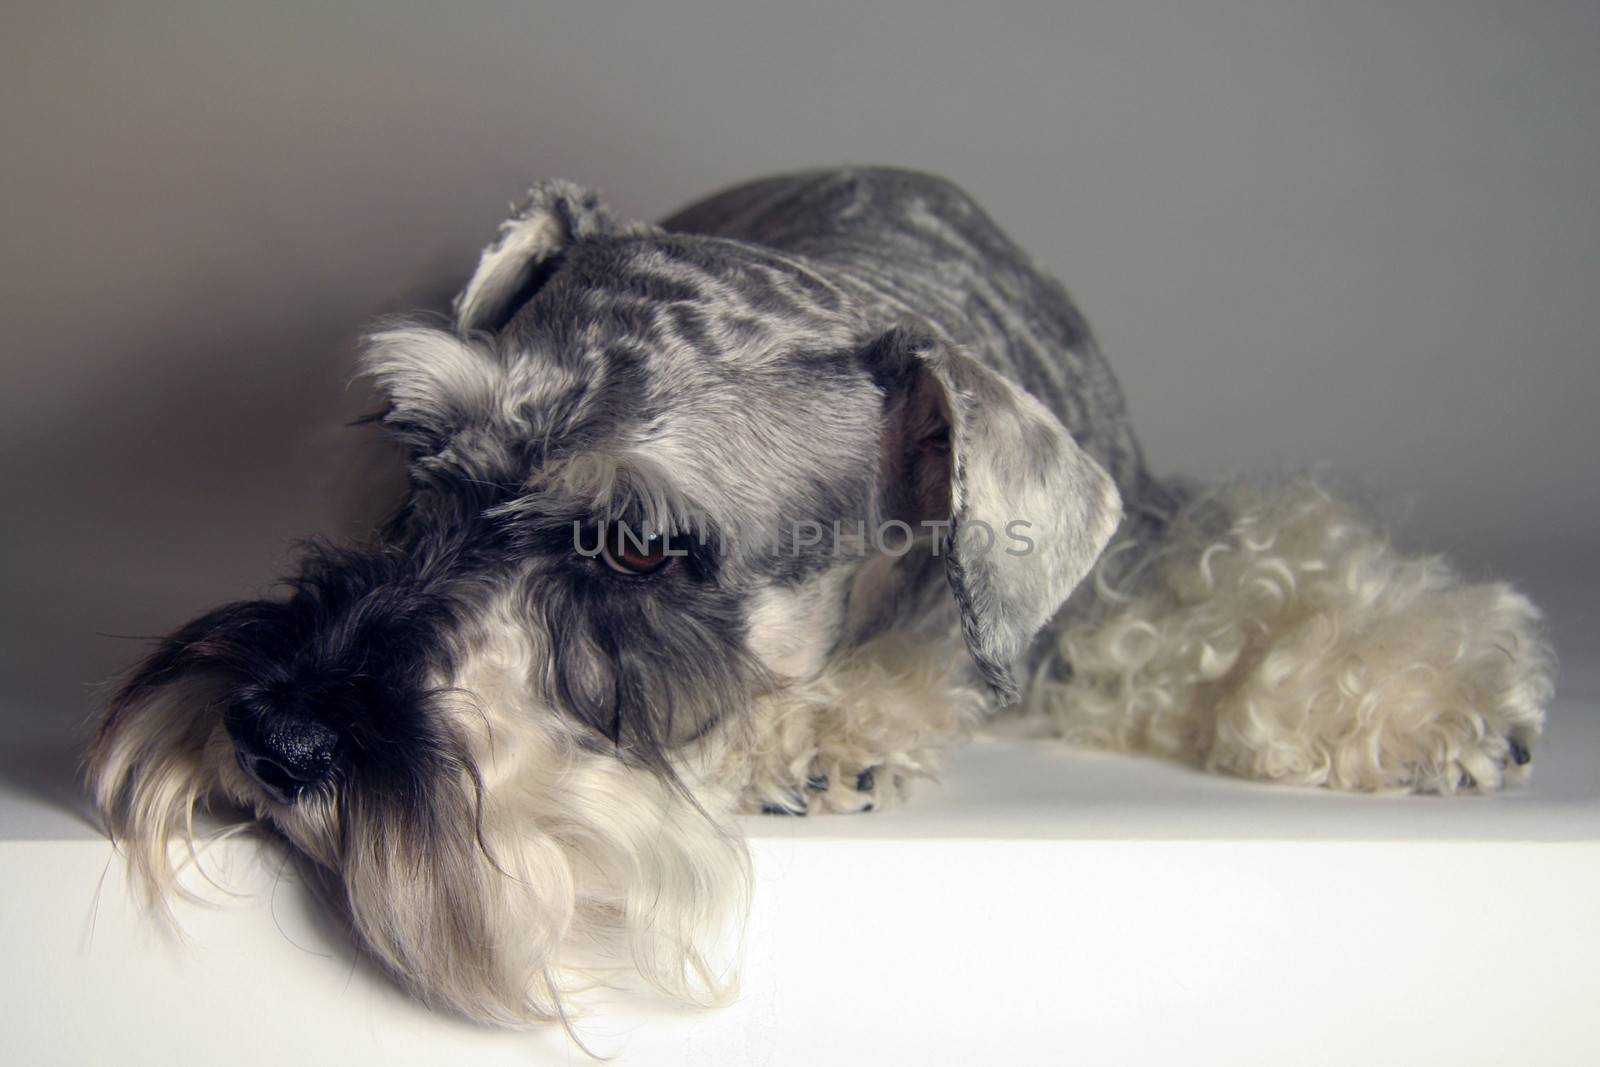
<point>485,913</point>
<point>539,866</point>
<point>1275,635</point>
<point>555,865</point>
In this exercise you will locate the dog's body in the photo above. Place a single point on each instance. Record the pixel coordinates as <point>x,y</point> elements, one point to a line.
<point>689,504</point>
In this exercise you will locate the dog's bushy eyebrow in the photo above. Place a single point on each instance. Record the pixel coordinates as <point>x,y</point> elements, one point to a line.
<point>602,486</point>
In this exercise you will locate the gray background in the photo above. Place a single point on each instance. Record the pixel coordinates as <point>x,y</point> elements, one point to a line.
<point>1359,234</point>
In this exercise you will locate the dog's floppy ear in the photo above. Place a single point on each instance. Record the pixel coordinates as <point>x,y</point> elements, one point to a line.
<point>1029,511</point>
<point>528,250</point>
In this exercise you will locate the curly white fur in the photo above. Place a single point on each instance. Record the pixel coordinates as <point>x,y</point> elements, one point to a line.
<point>1275,635</point>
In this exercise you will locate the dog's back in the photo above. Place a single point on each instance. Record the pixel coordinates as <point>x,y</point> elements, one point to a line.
<point>918,250</point>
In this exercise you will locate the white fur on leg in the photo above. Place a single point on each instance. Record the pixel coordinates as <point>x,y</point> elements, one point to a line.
<point>1275,635</point>
<point>894,706</point>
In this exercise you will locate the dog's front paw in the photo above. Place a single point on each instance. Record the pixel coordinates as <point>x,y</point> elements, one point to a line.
<point>847,790</point>
<point>854,739</point>
<point>838,790</point>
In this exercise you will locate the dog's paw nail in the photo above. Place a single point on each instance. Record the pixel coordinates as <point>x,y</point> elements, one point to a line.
<point>796,805</point>
<point>1520,754</point>
<point>1467,781</point>
<point>864,781</point>
<point>780,809</point>
<point>817,783</point>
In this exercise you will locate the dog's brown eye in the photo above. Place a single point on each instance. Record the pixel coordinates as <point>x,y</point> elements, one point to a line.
<point>628,553</point>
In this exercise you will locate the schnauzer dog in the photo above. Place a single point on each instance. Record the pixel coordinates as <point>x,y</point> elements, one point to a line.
<point>766,508</point>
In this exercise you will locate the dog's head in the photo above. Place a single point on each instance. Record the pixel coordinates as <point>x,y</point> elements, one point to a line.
<point>647,471</point>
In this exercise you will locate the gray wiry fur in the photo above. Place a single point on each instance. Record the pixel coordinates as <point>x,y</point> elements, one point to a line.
<point>492,745</point>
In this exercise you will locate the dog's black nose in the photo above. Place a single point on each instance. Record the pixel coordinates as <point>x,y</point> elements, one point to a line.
<point>283,752</point>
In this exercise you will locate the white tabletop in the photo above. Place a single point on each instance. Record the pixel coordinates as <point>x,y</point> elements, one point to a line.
<point>1036,903</point>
